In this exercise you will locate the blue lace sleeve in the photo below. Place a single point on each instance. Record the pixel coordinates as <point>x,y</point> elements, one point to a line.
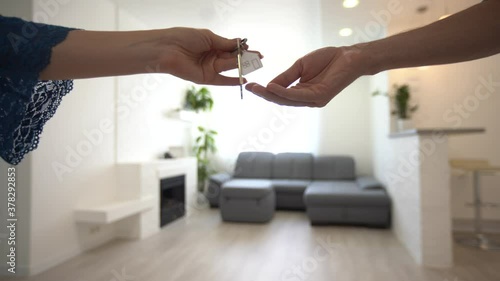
<point>26,103</point>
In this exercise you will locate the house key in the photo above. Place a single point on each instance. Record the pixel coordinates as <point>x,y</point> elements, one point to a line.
<point>248,61</point>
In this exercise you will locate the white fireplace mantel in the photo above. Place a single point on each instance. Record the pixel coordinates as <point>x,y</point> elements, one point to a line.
<point>142,180</point>
<point>135,211</point>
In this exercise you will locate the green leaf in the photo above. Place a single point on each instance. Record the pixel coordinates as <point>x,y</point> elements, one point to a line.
<point>198,100</point>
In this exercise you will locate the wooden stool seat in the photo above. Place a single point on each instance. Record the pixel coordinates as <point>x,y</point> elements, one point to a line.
<point>477,167</point>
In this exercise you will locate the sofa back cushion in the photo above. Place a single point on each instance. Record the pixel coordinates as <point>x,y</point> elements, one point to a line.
<point>334,168</point>
<point>254,165</point>
<point>293,166</point>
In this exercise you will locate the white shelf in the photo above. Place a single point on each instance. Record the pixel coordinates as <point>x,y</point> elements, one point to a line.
<point>114,211</point>
<point>183,115</point>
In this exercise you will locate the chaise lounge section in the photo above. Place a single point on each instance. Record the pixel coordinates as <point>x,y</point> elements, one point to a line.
<point>325,186</point>
<point>249,195</point>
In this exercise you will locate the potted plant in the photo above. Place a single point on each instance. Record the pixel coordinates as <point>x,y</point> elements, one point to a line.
<point>195,101</point>
<point>402,108</point>
<point>198,100</point>
<point>203,148</point>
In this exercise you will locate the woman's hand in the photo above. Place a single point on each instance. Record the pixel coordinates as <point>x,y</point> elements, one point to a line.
<point>323,74</point>
<point>199,55</point>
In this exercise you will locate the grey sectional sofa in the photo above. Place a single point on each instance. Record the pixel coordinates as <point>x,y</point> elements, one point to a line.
<point>326,187</point>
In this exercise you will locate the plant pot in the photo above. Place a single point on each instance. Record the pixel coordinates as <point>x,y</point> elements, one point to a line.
<point>404,124</point>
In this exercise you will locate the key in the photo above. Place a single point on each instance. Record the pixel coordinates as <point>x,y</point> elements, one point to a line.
<point>248,62</point>
<point>240,50</point>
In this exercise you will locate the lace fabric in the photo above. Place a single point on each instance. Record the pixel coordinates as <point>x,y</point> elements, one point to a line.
<point>26,103</point>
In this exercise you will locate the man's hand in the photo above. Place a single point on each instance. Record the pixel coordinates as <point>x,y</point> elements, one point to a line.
<point>323,74</point>
<point>467,35</point>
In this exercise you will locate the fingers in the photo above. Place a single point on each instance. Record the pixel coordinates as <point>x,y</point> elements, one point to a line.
<point>227,46</point>
<point>221,65</point>
<point>269,96</point>
<point>296,94</point>
<point>290,75</point>
<point>223,44</point>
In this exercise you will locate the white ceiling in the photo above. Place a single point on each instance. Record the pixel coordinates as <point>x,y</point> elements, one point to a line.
<point>335,17</point>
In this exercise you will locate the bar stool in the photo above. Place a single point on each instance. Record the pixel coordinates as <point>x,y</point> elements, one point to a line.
<point>477,168</point>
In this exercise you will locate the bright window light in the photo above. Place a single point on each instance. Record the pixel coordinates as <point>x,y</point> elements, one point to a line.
<point>344,32</point>
<point>350,3</point>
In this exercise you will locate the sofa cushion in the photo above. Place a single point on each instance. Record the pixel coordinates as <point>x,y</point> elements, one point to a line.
<point>295,186</point>
<point>368,182</point>
<point>246,188</point>
<point>293,166</point>
<point>333,168</point>
<point>254,165</point>
<point>343,193</point>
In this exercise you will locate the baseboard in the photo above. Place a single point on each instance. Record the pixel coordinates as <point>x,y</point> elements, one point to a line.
<point>467,225</point>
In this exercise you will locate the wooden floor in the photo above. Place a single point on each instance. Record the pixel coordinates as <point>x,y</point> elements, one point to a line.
<point>203,248</point>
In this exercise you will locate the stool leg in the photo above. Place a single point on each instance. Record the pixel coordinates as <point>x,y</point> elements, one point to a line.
<point>477,205</point>
<point>480,240</point>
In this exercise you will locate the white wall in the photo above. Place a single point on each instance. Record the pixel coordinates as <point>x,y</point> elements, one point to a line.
<point>383,154</point>
<point>78,126</point>
<point>345,126</point>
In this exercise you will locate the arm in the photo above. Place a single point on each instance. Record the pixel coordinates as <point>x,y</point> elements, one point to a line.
<point>470,34</point>
<point>192,54</point>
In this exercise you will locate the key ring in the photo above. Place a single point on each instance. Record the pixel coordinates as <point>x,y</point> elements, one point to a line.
<point>240,45</point>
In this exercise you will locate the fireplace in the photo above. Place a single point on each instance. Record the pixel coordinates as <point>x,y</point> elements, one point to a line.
<point>172,199</point>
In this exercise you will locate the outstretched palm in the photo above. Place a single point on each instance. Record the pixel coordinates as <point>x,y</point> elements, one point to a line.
<point>323,74</point>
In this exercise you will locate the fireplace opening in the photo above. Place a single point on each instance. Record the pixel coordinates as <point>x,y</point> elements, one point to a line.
<point>172,199</point>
